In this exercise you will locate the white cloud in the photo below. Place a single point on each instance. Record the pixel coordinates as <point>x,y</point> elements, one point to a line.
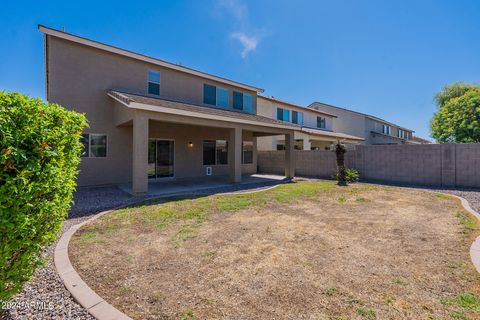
<point>239,11</point>
<point>249,43</point>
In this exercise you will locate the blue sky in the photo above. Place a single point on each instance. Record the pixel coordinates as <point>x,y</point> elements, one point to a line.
<point>386,58</point>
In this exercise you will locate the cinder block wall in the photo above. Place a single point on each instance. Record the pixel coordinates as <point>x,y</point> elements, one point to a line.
<point>442,165</point>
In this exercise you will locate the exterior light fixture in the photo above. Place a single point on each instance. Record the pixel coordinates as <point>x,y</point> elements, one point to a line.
<point>190,144</point>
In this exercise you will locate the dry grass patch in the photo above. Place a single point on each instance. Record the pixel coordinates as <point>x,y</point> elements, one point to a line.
<point>308,250</point>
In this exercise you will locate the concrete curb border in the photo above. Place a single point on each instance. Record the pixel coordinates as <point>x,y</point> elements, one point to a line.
<point>475,247</point>
<point>80,291</point>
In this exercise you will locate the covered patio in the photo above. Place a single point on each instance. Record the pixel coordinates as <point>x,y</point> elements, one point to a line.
<point>186,134</point>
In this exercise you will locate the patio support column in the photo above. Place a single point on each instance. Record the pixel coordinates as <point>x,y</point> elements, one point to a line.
<point>140,154</point>
<point>235,155</point>
<point>255,154</point>
<point>289,155</point>
<point>307,145</point>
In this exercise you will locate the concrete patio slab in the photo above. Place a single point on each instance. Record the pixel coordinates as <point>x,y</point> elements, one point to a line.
<point>167,187</point>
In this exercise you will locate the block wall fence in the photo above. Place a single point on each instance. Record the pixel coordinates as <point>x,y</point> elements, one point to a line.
<point>440,165</point>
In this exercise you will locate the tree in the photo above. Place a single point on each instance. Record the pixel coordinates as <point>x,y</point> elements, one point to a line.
<point>39,154</point>
<point>340,157</point>
<point>458,116</point>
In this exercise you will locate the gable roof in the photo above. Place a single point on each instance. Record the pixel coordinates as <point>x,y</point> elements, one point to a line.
<point>311,106</point>
<point>95,44</point>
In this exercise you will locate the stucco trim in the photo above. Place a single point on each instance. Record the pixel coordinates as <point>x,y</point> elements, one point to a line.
<point>138,56</point>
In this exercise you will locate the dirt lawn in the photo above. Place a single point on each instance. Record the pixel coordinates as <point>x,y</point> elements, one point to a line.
<point>306,250</point>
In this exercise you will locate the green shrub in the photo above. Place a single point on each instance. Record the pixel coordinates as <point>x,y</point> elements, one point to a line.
<point>39,154</point>
<point>351,175</point>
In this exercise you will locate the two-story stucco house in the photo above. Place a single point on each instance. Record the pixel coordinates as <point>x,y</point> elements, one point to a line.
<point>316,131</point>
<point>372,129</point>
<point>151,120</point>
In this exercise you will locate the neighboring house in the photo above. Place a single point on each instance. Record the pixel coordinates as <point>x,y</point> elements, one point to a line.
<point>154,120</point>
<point>372,129</point>
<point>316,126</point>
<point>418,140</point>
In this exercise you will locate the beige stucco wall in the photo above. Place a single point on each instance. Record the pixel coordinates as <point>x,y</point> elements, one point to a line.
<point>346,121</point>
<point>78,78</point>
<point>359,125</point>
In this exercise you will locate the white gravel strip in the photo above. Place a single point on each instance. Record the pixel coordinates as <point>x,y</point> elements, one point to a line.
<point>45,296</point>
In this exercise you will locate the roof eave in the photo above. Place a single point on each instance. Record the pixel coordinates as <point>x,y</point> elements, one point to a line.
<point>155,108</point>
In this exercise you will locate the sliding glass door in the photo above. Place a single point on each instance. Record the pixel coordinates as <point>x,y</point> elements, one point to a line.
<point>161,158</point>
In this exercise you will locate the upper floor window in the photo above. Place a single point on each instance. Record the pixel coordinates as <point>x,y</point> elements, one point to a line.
<point>321,122</point>
<point>153,82</point>
<point>401,134</point>
<point>386,129</point>
<point>242,101</point>
<point>215,96</point>
<point>297,117</point>
<point>94,145</point>
<point>283,114</point>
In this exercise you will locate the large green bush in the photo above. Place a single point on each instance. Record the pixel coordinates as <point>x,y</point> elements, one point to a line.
<point>458,116</point>
<point>39,154</point>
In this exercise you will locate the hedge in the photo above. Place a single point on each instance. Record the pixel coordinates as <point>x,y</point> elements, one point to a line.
<point>39,154</point>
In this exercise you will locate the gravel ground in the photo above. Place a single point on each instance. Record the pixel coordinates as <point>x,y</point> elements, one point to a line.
<point>45,297</point>
<point>472,196</point>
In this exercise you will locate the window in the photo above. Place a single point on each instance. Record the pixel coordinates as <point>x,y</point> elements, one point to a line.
<point>222,97</point>
<point>242,101</point>
<point>94,145</point>
<point>401,134</point>
<point>209,94</point>
<point>237,100</point>
<point>297,117</point>
<point>222,151</point>
<point>280,146</point>
<point>247,103</point>
<point>386,129</point>
<point>321,122</point>
<point>153,82</point>
<point>208,152</point>
<point>215,96</point>
<point>247,154</point>
<point>84,140</point>
<point>280,114</point>
<point>283,114</point>
<point>215,152</point>
<point>298,144</point>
